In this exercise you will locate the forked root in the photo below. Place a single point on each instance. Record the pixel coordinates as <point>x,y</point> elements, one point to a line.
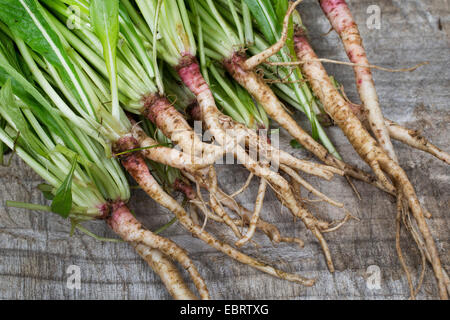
<point>405,217</point>
<point>245,215</point>
<point>325,227</point>
<point>412,138</point>
<point>129,229</point>
<point>313,225</point>
<point>217,212</point>
<point>270,230</point>
<point>189,72</point>
<point>217,205</point>
<point>424,252</point>
<point>167,271</point>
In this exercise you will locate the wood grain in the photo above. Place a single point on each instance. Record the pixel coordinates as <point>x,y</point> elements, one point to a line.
<point>36,249</point>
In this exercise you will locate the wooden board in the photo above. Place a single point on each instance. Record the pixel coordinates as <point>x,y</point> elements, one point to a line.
<point>36,249</point>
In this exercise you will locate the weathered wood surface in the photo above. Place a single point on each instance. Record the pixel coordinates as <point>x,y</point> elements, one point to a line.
<point>36,249</point>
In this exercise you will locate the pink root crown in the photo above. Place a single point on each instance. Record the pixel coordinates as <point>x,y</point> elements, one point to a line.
<point>120,215</point>
<point>329,6</point>
<point>234,64</point>
<point>189,72</point>
<point>339,15</point>
<point>238,58</point>
<point>126,143</point>
<point>155,106</point>
<point>104,210</point>
<point>195,111</point>
<point>301,44</point>
<point>185,189</point>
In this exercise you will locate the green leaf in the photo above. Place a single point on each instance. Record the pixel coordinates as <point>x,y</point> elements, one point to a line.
<point>15,69</point>
<point>73,155</point>
<point>10,110</point>
<point>129,31</point>
<point>76,225</point>
<point>28,206</point>
<point>266,18</point>
<point>105,20</point>
<point>47,191</point>
<point>27,21</point>
<point>281,7</point>
<point>3,147</point>
<point>8,50</point>
<point>34,100</point>
<point>62,203</point>
<point>270,15</point>
<point>248,24</point>
<point>295,144</point>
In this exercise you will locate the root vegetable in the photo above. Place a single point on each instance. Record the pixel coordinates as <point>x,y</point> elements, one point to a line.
<point>365,145</point>
<point>343,23</point>
<point>80,176</point>
<point>241,69</point>
<point>245,215</point>
<point>167,271</point>
<point>267,98</point>
<point>136,166</point>
<point>216,204</point>
<point>282,157</point>
<point>124,224</point>
<point>189,72</point>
